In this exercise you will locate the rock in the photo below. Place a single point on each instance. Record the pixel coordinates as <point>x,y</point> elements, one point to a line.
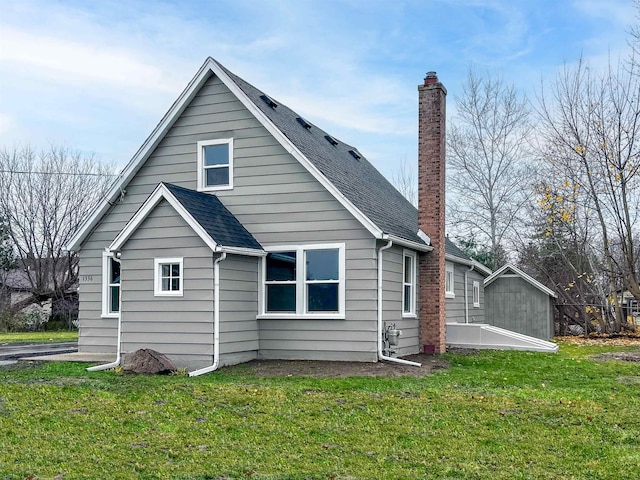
<point>148,361</point>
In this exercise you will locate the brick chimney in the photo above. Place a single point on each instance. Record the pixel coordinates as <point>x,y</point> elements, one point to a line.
<point>431,196</point>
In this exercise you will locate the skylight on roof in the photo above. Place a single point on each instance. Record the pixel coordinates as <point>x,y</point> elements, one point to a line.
<point>269,101</point>
<point>331,140</point>
<point>304,123</point>
<point>355,154</point>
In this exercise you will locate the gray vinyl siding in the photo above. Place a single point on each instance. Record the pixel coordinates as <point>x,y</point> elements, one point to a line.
<point>276,199</point>
<point>455,311</point>
<point>515,304</point>
<point>180,327</point>
<point>392,292</point>
<point>238,309</point>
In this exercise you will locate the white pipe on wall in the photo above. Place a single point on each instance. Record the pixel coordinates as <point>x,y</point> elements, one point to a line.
<point>216,319</point>
<point>381,355</point>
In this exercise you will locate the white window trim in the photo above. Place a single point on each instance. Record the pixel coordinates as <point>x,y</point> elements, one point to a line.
<point>201,177</point>
<point>476,288</point>
<point>106,256</point>
<point>157,277</point>
<point>301,282</point>
<point>449,269</point>
<point>412,308</point>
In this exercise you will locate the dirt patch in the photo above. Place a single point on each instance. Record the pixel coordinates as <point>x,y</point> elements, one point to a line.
<point>327,369</point>
<point>622,356</point>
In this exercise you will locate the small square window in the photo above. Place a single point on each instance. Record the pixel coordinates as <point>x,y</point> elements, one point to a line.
<point>215,165</point>
<point>168,277</point>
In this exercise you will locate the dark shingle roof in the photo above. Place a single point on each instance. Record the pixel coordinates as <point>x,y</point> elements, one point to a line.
<point>452,249</point>
<point>358,180</point>
<point>213,216</point>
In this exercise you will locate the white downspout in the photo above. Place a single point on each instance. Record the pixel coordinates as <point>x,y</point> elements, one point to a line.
<point>116,362</point>
<point>216,319</point>
<point>466,299</point>
<point>381,355</point>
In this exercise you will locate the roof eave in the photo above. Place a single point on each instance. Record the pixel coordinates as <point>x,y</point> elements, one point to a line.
<point>142,154</point>
<point>408,243</point>
<point>470,263</point>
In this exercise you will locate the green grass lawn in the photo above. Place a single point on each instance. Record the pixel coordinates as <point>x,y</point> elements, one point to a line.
<point>497,415</point>
<point>39,337</point>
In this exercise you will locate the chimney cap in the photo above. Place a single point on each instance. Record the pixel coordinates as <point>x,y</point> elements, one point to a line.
<point>431,78</point>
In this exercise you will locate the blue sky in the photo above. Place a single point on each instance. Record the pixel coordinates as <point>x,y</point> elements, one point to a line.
<point>99,75</point>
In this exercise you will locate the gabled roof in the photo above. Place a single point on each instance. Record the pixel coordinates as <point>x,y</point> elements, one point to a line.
<point>204,213</point>
<point>509,269</point>
<point>355,178</point>
<point>456,255</point>
<point>354,182</point>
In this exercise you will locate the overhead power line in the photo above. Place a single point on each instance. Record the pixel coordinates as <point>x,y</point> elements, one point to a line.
<point>80,174</point>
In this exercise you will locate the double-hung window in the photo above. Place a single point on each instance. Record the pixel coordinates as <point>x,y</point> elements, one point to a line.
<point>168,277</point>
<point>215,165</point>
<point>306,280</point>
<point>110,285</point>
<point>449,291</point>
<point>409,284</point>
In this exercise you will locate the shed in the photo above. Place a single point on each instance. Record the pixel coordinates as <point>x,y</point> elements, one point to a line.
<point>518,302</point>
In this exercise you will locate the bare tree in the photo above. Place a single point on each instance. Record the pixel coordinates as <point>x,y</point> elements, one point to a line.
<point>44,197</point>
<point>406,182</point>
<point>591,132</point>
<point>487,152</point>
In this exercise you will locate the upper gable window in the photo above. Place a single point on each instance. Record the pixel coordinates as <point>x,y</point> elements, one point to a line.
<point>215,165</point>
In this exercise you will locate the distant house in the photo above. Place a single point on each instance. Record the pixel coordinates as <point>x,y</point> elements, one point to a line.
<point>15,286</point>
<point>240,230</point>
<point>518,302</point>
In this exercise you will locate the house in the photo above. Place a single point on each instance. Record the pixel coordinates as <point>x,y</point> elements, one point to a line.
<point>464,286</point>
<point>518,302</point>
<point>240,230</point>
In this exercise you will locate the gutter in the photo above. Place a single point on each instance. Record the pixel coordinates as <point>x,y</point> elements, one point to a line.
<point>466,299</point>
<point>381,355</point>
<point>216,319</point>
<point>116,362</point>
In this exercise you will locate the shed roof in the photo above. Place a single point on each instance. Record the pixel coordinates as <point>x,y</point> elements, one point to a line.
<point>509,269</point>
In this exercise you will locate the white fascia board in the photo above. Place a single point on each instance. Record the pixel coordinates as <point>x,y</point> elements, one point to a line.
<point>297,154</point>
<point>142,154</point>
<point>521,274</point>
<point>409,244</point>
<point>471,263</point>
<point>249,252</point>
<point>158,194</point>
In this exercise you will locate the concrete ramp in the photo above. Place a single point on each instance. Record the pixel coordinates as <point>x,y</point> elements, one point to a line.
<point>481,335</point>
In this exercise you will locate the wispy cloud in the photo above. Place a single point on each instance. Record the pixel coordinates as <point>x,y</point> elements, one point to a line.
<point>73,62</point>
